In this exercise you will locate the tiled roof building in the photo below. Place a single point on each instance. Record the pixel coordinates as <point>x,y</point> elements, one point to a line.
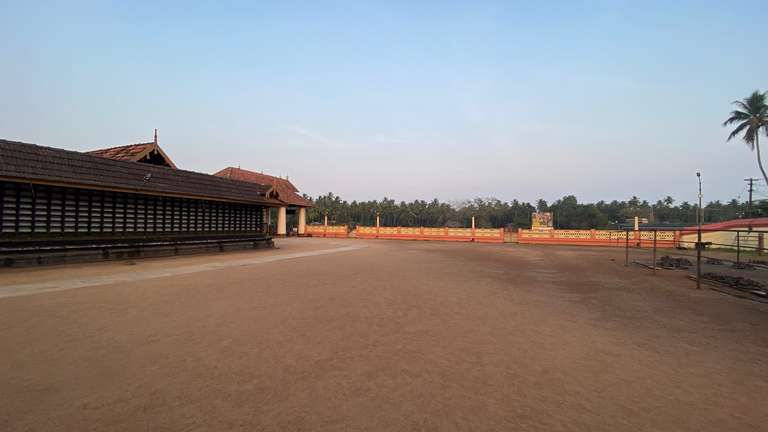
<point>288,194</point>
<point>287,191</point>
<point>54,198</point>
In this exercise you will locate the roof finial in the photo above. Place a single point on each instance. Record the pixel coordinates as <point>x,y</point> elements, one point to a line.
<point>155,136</point>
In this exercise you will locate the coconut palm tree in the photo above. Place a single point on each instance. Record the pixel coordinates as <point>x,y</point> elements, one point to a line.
<point>751,116</point>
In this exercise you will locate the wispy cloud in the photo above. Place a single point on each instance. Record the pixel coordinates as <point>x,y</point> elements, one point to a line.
<point>313,136</point>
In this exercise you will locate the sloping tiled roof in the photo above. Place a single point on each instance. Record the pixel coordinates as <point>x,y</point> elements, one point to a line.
<point>37,164</point>
<point>131,152</point>
<point>733,224</point>
<point>287,191</point>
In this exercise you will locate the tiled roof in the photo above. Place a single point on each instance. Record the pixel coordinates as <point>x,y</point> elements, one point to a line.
<point>286,189</point>
<point>733,224</point>
<point>131,152</point>
<point>33,163</point>
<point>127,152</point>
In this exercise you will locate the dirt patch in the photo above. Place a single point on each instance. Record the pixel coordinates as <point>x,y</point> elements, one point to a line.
<point>394,336</point>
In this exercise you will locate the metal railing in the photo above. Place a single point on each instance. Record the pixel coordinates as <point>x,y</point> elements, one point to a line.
<point>716,247</point>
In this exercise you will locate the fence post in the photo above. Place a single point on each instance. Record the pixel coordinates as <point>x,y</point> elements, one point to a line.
<point>626,248</point>
<point>738,247</point>
<point>654,253</point>
<point>698,257</point>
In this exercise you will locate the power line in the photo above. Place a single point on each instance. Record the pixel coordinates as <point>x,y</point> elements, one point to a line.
<point>738,197</point>
<point>751,181</point>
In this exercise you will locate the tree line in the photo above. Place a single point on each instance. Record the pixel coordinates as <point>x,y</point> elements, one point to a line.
<point>568,212</point>
<point>748,119</point>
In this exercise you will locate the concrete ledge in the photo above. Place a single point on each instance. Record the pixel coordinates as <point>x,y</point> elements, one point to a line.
<point>113,253</point>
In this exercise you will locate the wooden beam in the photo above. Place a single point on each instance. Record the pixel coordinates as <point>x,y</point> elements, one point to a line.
<point>2,205</point>
<point>103,197</point>
<point>48,206</point>
<point>90,210</point>
<point>33,208</point>
<point>17,216</point>
<point>63,211</point>
<point>74,185</point>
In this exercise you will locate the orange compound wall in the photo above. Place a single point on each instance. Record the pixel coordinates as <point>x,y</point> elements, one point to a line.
<point>334,231</point>
<point>664,239</point>
<point>481,235</point>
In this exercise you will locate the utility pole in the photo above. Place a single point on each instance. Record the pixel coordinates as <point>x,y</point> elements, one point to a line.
<point>699,217</point>
<point>751,182</point>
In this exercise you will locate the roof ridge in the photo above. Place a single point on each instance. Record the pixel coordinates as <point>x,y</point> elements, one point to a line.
<point>121,146</point>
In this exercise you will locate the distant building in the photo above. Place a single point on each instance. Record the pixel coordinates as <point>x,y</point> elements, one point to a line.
<point>288,195</point>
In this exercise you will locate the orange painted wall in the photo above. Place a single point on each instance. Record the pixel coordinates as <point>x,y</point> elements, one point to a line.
<point>333,231</point>
<point>664,239</point>
<point>480,235</point>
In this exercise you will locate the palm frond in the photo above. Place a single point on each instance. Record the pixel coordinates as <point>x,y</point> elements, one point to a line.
<point>736,116</point>
<point>751,116</point>
<point>741,104</point>
<point>738,130</point>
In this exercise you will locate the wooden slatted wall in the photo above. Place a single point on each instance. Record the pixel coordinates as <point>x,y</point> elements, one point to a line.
<point>39,209</point>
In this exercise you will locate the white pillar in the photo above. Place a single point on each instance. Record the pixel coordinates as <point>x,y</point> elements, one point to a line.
<point>378,221</point>
<point>302,220</point>
<point>473,222</point>
<point>281,228</point>
<point>325,220</point>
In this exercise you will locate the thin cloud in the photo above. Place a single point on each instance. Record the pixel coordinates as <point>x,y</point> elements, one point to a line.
<point>313,136</point>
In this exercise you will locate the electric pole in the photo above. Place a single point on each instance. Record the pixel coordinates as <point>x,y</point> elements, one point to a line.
<point>699,246</point>
<point>751,182</point>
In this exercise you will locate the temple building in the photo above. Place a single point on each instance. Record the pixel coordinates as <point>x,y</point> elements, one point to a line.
<point>129,198</point>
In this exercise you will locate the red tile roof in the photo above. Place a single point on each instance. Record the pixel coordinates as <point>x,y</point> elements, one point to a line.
<point>288,193</point>
<point>131,152</point>
<point>733,224</point>
<point>37,164</point>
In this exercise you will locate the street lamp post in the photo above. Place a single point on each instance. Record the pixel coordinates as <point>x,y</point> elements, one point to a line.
<point>699,217</point>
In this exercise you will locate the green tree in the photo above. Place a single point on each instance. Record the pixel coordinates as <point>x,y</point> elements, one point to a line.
<point>541,205</point>
<point>750,117</point>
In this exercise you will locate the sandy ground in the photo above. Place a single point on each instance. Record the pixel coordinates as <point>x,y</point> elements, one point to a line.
<point>390,336</point>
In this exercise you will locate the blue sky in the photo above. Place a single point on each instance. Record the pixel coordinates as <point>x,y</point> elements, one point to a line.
<point>454,100</point>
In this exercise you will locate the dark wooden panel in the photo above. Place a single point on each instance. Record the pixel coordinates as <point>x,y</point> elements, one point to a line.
<point>40,211</point>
